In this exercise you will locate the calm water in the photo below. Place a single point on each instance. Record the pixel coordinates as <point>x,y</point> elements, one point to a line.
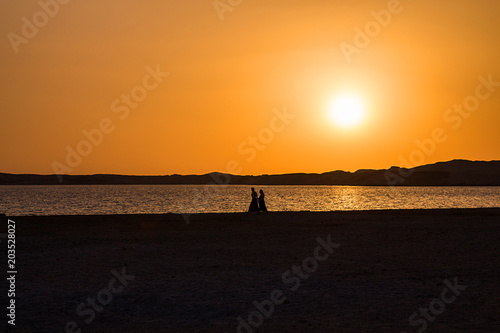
<point>128,199</point>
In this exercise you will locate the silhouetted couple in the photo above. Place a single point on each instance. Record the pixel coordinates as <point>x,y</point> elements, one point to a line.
<point>258,204</point>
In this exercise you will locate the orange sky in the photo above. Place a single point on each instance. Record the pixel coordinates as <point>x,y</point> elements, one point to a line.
<point>227,79</point>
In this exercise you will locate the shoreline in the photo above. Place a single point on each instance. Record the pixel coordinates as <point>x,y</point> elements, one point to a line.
<point>376,211</point>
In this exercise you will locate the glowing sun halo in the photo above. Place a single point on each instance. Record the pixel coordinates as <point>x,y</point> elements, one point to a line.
<point>347,110</point>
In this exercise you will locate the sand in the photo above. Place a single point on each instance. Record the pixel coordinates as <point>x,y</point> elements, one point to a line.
<point>385,266</point>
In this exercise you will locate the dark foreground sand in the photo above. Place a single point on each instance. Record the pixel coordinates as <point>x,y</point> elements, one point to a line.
<point>202,276</point>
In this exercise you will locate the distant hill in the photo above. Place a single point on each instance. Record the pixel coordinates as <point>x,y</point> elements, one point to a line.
<point>452,173</point>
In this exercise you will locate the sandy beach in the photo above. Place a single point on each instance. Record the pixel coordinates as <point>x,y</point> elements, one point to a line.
<point>363,271</point>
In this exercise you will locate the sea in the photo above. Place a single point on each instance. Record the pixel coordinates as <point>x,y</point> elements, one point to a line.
<point>25,200</point>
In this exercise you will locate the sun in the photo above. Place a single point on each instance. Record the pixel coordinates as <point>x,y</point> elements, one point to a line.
<point>347,110</point>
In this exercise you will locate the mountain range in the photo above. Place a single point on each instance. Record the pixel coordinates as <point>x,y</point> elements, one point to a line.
<point>451,173</point>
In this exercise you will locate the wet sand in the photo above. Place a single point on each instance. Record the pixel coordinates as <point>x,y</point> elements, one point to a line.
<point>379,268</point>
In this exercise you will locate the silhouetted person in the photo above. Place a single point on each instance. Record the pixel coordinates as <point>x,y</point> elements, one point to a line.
<point>262,203</point>
<point>254,206</point>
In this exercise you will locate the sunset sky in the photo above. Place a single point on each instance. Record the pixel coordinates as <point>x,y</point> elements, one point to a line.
<point>274,70</point>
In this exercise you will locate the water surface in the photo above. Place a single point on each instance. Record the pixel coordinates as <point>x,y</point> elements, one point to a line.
<point>152,199</point>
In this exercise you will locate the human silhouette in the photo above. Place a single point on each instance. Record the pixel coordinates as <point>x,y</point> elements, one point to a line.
<point>262,203</point>
<point>254,206</point>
